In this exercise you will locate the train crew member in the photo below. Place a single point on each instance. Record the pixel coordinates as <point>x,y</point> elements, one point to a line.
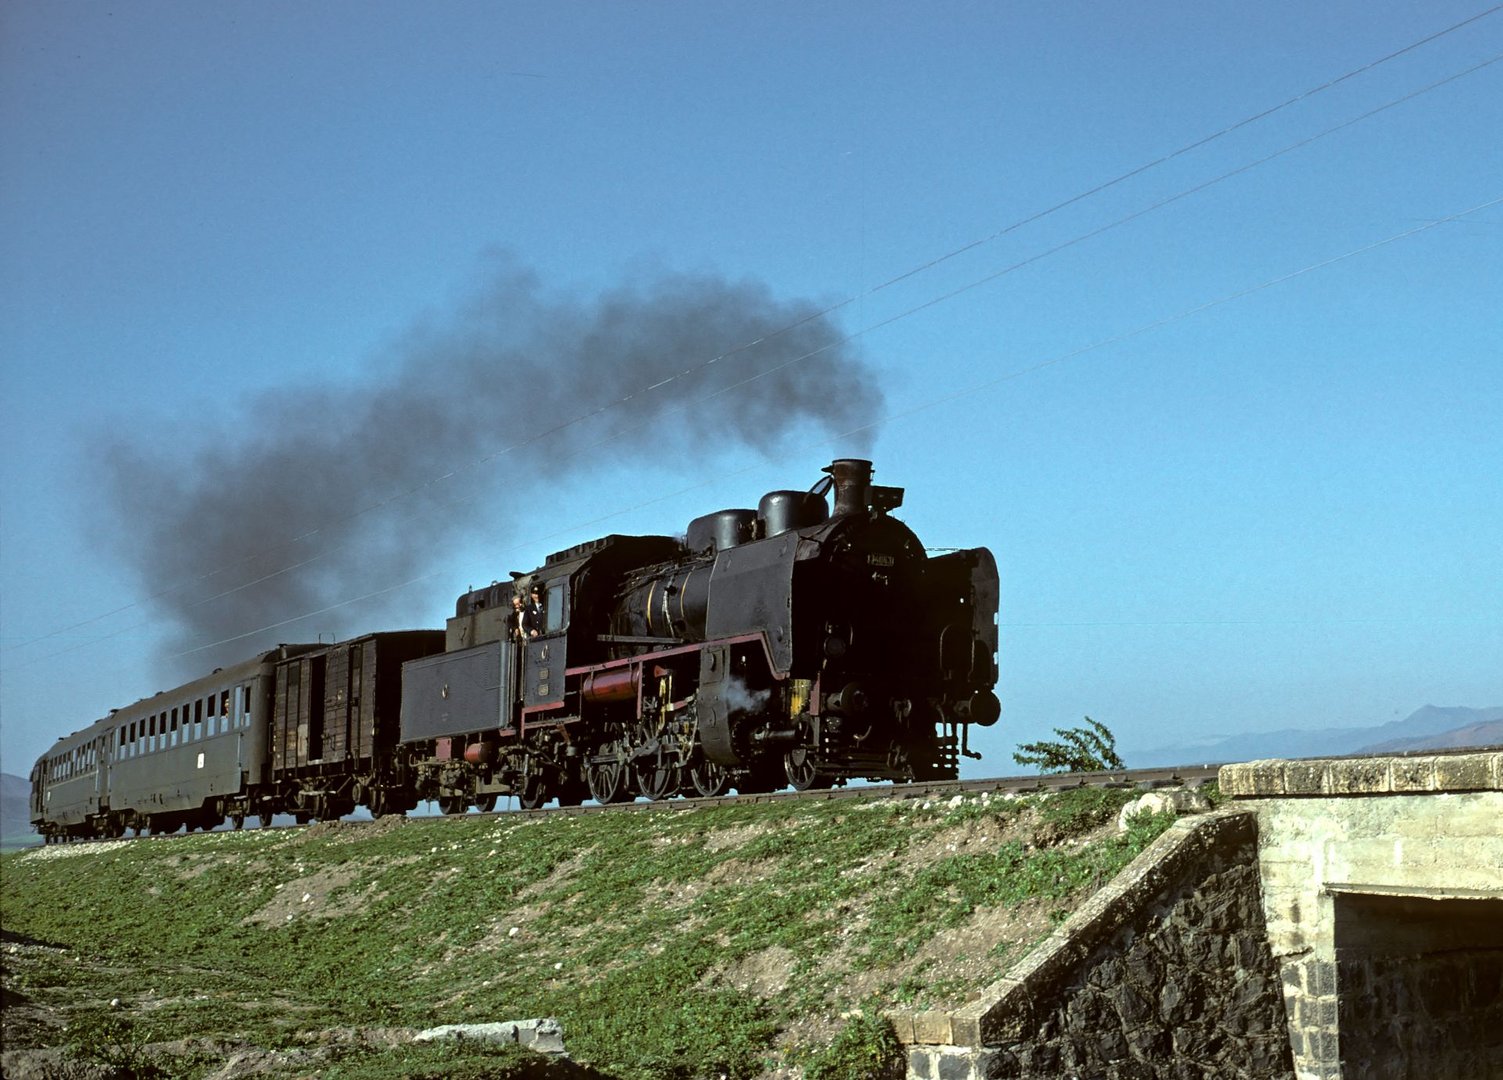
<point>517,621</point>
<point>533,619</point>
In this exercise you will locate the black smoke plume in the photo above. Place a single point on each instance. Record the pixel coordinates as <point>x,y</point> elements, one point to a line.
<point>320,494</point>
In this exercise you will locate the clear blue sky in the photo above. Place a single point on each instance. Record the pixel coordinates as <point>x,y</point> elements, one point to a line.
<point>1277,511</point>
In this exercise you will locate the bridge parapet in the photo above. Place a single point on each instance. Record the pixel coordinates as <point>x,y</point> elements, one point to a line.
<point>1397,775</point>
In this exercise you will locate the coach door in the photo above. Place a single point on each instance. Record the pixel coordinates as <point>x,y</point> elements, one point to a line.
<point>101,772</point>
<point>239,699</point>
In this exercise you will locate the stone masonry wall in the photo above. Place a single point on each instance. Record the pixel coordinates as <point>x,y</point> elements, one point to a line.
<point>1419,986</point>
<point>1165,974</point>
<point>1416,1018</point>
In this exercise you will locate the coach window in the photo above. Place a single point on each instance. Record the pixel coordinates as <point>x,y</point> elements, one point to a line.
<point>198,729</point>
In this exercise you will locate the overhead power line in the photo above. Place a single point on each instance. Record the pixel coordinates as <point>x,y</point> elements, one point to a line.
<point>967,391</point>
<point>906,275</point>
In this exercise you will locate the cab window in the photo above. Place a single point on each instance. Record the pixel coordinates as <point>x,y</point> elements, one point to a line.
<point>553,608</point>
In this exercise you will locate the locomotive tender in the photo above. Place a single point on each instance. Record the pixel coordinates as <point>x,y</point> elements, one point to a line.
<point>797,643</point>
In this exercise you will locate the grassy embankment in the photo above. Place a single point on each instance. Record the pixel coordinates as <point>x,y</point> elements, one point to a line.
<point>733,941</point>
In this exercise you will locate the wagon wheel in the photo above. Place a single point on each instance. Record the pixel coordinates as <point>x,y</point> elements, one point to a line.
<point>532,792</point>
<point>709,779</point>
<point>485,803</point>
<point>237,820</point>
<point>265,819</point>
<point>656,779</point>
<point>379,803</point>
<point>453,804</point>
<point>801,770</point>
<point>607,781</point>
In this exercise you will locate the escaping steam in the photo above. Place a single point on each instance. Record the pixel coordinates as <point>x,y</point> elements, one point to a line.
<point>321,494</point>
<point>742,700</point>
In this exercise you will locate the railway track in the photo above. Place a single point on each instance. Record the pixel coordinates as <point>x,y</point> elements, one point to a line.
<point>1146,779</point>
<point>1192,776</point>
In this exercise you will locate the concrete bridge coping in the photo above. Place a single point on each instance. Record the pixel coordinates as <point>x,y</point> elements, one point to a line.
<point>1398,774</point>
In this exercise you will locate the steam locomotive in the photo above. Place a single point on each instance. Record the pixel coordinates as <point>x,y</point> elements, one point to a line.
<point>797,643</point>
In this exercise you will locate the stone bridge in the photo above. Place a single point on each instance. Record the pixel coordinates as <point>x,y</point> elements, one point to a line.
<point>1339,918</point>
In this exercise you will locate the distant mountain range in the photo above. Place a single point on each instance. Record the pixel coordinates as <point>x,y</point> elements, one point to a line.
<point>15,811</point>
<point>1430,728</point>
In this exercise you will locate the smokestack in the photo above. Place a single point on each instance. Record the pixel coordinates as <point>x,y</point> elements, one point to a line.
<point>853,485</point>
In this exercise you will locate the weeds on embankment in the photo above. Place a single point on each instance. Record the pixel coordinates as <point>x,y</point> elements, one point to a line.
<point>731,941</point>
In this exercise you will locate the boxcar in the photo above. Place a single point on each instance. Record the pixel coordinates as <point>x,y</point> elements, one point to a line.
<point>335,726</point>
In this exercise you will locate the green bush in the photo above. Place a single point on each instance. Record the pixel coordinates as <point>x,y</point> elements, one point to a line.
<point>1083,749</point>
